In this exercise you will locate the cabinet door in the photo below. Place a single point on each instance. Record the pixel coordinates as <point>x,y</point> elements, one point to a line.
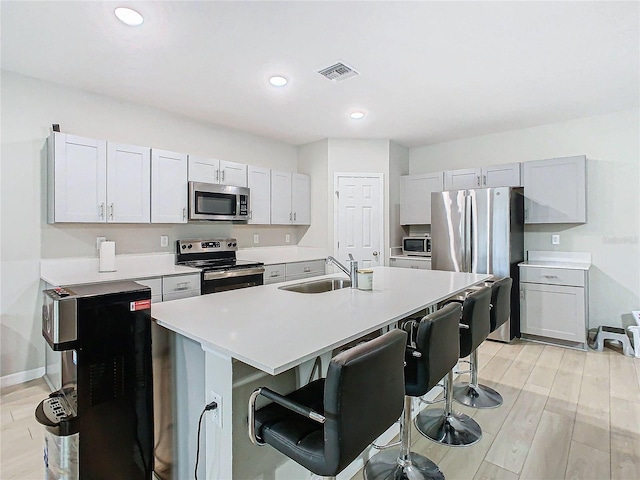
<point>77,178</point>
<point>168,187</point>
<point>507,175</point>
<point>232,173</point>
<point>259,183</point>
<point>555,190</point>
<point>281,213</point>
<point>553,311</point>
<point>128,183</point>
<point>206,170</point>
<point>462,179</point>
<point>415,197</point>
<point>274,273</point>
<point>301,199</point>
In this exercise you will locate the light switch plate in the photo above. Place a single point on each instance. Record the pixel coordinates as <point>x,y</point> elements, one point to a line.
<point>555,239</point>
<point>164,240</point>
<point>256,238</point>
<point>287,238</point>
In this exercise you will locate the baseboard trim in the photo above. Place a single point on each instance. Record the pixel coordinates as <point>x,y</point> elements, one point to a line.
<point>21,377</point>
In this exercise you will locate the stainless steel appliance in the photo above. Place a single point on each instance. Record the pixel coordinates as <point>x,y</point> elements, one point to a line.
<point>481,231</point>
<point>221,270</point>
<point>210,201</point>
<point>99,425</point>
<point>417,246</point>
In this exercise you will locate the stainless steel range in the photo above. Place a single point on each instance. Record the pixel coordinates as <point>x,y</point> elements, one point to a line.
<point>221,270</point>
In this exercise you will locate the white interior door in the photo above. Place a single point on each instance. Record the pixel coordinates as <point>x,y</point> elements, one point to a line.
<point>359,226</point>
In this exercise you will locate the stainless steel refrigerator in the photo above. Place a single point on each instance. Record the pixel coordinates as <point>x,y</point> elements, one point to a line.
<point>481,231</point>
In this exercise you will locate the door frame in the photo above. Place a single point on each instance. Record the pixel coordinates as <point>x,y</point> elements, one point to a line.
<point>336,179</point>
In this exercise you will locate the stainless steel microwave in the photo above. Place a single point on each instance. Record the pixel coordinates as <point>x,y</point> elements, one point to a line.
<point>417,246</point>
<point>209,201</point>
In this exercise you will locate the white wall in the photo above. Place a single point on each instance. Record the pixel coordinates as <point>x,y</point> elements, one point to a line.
<point>29,107</point>
<point>313,160</point>
<point>398,166</point>
<point>611,144</point>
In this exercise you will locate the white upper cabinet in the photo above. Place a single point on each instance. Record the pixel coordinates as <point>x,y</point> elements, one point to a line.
<point>462,179</point>
<point>212,170</point>
<point>415,197</point>
<point>290,198</point>
<point>281,213</point>
<point>301,199</point>
<point>128,183</point>
<point>77,169</point>
<point>259,183</point>
<point>506,175</point>
<point>555,190</point>
<point>94,181</point>
<point>168,187</point>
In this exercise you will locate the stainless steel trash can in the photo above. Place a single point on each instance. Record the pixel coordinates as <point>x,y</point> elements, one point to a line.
<point>61,437</point>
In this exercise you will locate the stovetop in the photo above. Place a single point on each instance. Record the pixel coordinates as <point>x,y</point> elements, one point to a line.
<point>211,254</point>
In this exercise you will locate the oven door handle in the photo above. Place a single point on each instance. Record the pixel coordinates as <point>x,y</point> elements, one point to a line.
<point>233,273</point>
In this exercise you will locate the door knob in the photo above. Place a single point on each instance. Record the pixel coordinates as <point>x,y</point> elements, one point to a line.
<point>375,254</point>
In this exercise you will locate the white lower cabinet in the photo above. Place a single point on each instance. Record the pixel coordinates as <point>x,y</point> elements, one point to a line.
<point>553,303</point>
<point>282,272</point>
<point>172,287</point>
<point>274,273</point>
<point>423,263</point>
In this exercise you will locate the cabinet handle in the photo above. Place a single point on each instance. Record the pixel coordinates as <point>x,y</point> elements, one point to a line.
<point>307,269</point>
<point>484,180</point>
<point>275,274</point>
<point>294,216</point>
<point>217,175</point>
<point>549,276</point>
<point>102,210</point>
<point>290,216</point>
<point>478,180</point>
<point>250,214</point>
<point>522,293</point>
<point>184,213</point>
<point>111,211</point>
<point>222,179</point>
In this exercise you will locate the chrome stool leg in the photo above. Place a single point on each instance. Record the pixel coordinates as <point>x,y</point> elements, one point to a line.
<point>448,427</point>
<point>402,463</point>
<point>472,394</point>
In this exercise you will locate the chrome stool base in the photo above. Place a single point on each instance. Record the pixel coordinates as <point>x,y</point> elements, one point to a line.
<point>478,396</point>
<point>454,430</point>
<point>388,465</point>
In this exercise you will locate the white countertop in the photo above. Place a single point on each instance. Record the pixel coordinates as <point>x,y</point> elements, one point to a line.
<point>274,330</point>
<point>272,255</point>
<point>566,260</point>
<point>80,270</point>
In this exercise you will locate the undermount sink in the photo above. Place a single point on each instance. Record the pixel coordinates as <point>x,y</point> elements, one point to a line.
<point>318,286</point>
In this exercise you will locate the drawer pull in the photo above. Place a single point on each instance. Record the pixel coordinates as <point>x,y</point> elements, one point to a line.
<point>549,276</point>
<point>181,286</point>
<point>275,274</point>
<point>307,269</point>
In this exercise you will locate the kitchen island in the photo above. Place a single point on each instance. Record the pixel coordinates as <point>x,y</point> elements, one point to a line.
<point>231,342</point>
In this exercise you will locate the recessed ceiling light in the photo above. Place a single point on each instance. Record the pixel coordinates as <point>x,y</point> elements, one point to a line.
<point>128,16</point>
<point>357,115</point>
<point>278,81</point>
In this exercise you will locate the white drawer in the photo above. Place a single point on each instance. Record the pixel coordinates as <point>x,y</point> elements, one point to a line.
<point>180,283</point>
<point>155,284</point>
<point>552,276</point>
<point>421,264</point>
<point>181,294</point>
<point>312,268</point>
<point>274,273</point>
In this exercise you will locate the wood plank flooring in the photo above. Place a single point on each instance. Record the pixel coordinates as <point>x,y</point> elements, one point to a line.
<point>566,415</point>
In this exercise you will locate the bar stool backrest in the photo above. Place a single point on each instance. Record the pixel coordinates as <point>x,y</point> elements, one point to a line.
<point>438,345</point>
<point>475,314</point>
<point>500,302</point>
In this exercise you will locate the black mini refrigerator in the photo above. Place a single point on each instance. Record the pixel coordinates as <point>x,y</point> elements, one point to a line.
<point>100,424</point>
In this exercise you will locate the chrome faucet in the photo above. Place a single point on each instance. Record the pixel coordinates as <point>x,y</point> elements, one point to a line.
<point>352,273</point>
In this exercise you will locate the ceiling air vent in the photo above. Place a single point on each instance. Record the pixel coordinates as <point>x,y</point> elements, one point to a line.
<point>338,72</point>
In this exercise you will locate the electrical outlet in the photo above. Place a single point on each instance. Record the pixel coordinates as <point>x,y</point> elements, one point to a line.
<point>216,414</point>
<point>164,240</point>
<point>99,240</point>
<point>256,238</point>
<point>287,238</point>
<point>555,239</point>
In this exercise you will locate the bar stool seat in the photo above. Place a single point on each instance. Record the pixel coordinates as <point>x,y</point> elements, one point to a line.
<point>326,424</point>
<point>474,394</point>
<point>428,358</point>
<point>446,426</point>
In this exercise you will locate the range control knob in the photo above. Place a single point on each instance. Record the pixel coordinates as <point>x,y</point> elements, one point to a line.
<point>183,247</point>
<point>229,244</point>
<point>190,247</point>
<point>234,244</point>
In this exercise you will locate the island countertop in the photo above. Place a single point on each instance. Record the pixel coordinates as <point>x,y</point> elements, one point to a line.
<point>274,330</point>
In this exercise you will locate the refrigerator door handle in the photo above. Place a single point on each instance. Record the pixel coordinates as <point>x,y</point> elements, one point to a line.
<point>468,253</point>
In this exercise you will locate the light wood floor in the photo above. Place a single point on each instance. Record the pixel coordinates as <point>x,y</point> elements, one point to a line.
<point>567,415</point>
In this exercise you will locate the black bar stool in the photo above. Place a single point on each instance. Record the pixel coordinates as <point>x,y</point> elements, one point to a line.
<point>474,394</point>
<point>449,427</point>
<point>435,353</point>
<point>326,424</point>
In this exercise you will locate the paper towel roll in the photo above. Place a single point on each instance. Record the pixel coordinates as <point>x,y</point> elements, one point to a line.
<point>108,256</point>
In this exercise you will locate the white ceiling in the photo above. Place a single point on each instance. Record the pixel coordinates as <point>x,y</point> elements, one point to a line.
<point>429,71</point>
